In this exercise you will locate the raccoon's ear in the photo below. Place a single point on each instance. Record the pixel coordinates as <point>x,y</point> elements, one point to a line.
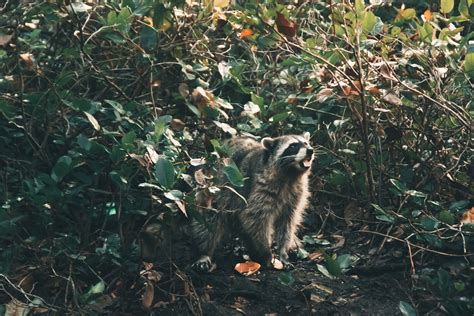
<point>267,142</point>
<point>306,135</point>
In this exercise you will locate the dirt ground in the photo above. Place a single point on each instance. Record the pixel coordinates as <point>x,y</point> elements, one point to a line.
<point>225,292</point>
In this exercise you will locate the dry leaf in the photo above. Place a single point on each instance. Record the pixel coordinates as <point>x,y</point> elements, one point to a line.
<point>245,33</point>
<point>147,298</point>
<point>202,97</point>
<point>93,121</point>
<point>177,124</point>
<point>29,60</point>
<point>183,89</point>
<point>323,94</point>
<point>277,264</point>
<point>247,268</point>
<point>316,256</point>
<point>392,99</point>
<point>468,217</point>
<point>5,39</point>
<point>181,207</point>
<point>322,288</point>
<point>285,26</point>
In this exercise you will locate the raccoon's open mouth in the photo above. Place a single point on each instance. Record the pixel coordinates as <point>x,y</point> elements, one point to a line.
<point>306,163</point>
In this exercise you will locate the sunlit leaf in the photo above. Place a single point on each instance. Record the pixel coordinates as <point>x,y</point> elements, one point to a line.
<point>447,6</point>
<point>406,309</point>
<point>93,121</point>
<point>233,175</point>
<point>469,65</point>
<point>368,22</point>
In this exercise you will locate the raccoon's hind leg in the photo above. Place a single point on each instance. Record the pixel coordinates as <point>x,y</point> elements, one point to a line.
<point>207,238</point>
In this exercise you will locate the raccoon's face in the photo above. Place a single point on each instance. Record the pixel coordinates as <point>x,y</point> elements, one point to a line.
<point>289,152</point>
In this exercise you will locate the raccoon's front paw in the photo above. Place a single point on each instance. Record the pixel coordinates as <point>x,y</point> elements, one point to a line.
<point>287,265</point>
<point>204,264</point>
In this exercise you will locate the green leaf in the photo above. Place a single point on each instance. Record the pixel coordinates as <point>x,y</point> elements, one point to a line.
<point>469,65</point>
<point>463,7</point>
<point>233,175</point>
<point>461,205</point>
<point>359,6</point>
<point>302,253</point>
<point>344,261</point>
<point>98,288</point>
<point>129,138</point>
<point>446,217</point>
<point>428,223</point>
<point>368,22</point>
<point>406,309</point>
<point>161,124</point>
<point>84,142</point>
<point>408,14</point>
<point>399,185</point>
<point>331,264</point>
<point>61,168</point>
<point>164,173</point>
<point>279,117</point>
<point>258,100</point>
<point>7,109</point>
<point>286,278</point>
<point>382,214</point>
<point>148,37</point>
<point>117,179</point>
<point>324,271</point>
<point>447,6</point>
<point>174,195</point>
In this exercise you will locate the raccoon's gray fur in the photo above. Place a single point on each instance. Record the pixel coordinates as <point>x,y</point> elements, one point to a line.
<point>276,194</point>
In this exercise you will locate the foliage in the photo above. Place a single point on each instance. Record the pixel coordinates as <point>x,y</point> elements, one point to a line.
<point>107,111</point>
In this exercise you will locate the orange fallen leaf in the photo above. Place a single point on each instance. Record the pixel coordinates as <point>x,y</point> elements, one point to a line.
<point>468,217</point>
<point>245,33</point>
<point>427,15</point>
<point>247,268</point>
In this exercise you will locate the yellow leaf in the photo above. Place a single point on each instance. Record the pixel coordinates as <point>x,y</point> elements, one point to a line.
<point>221,3</point>
<point>148,21</point>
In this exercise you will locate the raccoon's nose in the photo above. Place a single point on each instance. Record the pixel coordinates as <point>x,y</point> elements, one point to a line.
<point>309,151</point>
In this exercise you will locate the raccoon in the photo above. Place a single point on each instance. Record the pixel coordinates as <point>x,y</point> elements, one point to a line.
<point>275,198</point>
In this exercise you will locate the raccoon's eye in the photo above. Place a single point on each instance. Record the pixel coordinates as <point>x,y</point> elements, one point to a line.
<point>292,149</point>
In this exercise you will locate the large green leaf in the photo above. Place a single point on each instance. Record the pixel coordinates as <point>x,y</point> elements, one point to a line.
<point>164,173</point>
<point>447,6</point>
<point>233,175</point>
<point>368,22</point>
<point>61,168</point>
<point>469,65</point>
